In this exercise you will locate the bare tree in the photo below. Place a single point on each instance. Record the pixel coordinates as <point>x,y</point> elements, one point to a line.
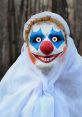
<point>60,7</point>
<point>4,45</point>
<point>75,19</point>
<point>12,30</point>
<point>78,24</point>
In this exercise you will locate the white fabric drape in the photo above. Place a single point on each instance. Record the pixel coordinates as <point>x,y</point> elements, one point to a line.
<point>26,92</point>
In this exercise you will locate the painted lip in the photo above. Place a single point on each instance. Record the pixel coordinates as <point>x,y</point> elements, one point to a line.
<point>47,59</point>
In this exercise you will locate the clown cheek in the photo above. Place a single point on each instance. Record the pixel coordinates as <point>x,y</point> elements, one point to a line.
<point>31,56</point>
<point>62,56</point>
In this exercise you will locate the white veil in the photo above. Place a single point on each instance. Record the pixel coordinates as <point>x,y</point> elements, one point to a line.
<point>26,92</point>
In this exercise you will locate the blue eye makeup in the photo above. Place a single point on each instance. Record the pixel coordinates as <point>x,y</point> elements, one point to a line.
<point>36,38</point>
<point>56,37</point>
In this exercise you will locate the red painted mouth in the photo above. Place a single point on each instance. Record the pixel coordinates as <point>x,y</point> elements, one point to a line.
<point>47,59</point>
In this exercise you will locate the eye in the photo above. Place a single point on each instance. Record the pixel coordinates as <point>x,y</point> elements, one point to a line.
<point>54,39</point>
<point>38,39</point>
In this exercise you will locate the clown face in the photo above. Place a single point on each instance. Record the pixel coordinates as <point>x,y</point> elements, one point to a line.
<point>47,44</point>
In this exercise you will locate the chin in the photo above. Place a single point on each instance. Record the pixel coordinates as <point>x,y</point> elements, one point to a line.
<point>45,66</point>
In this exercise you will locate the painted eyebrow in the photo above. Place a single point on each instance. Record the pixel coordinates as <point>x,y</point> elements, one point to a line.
<point>37,34</point>
<point>56,33</point>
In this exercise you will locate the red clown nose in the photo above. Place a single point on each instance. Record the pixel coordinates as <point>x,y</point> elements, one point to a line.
<point>46,47</point>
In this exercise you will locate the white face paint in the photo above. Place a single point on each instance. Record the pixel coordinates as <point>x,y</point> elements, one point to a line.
<point>46,44</point>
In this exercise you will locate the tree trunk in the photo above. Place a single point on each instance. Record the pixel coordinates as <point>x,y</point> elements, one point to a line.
<point>4,44</point>
<point>60,7</point>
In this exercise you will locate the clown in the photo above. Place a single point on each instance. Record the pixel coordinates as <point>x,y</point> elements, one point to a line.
<point>46,42</point>
<point>46,79</point>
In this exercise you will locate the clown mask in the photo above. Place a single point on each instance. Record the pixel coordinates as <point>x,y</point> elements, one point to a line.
<point>46,44</point>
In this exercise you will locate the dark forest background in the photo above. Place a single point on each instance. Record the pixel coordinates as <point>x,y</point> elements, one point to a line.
<point>13,15</point>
